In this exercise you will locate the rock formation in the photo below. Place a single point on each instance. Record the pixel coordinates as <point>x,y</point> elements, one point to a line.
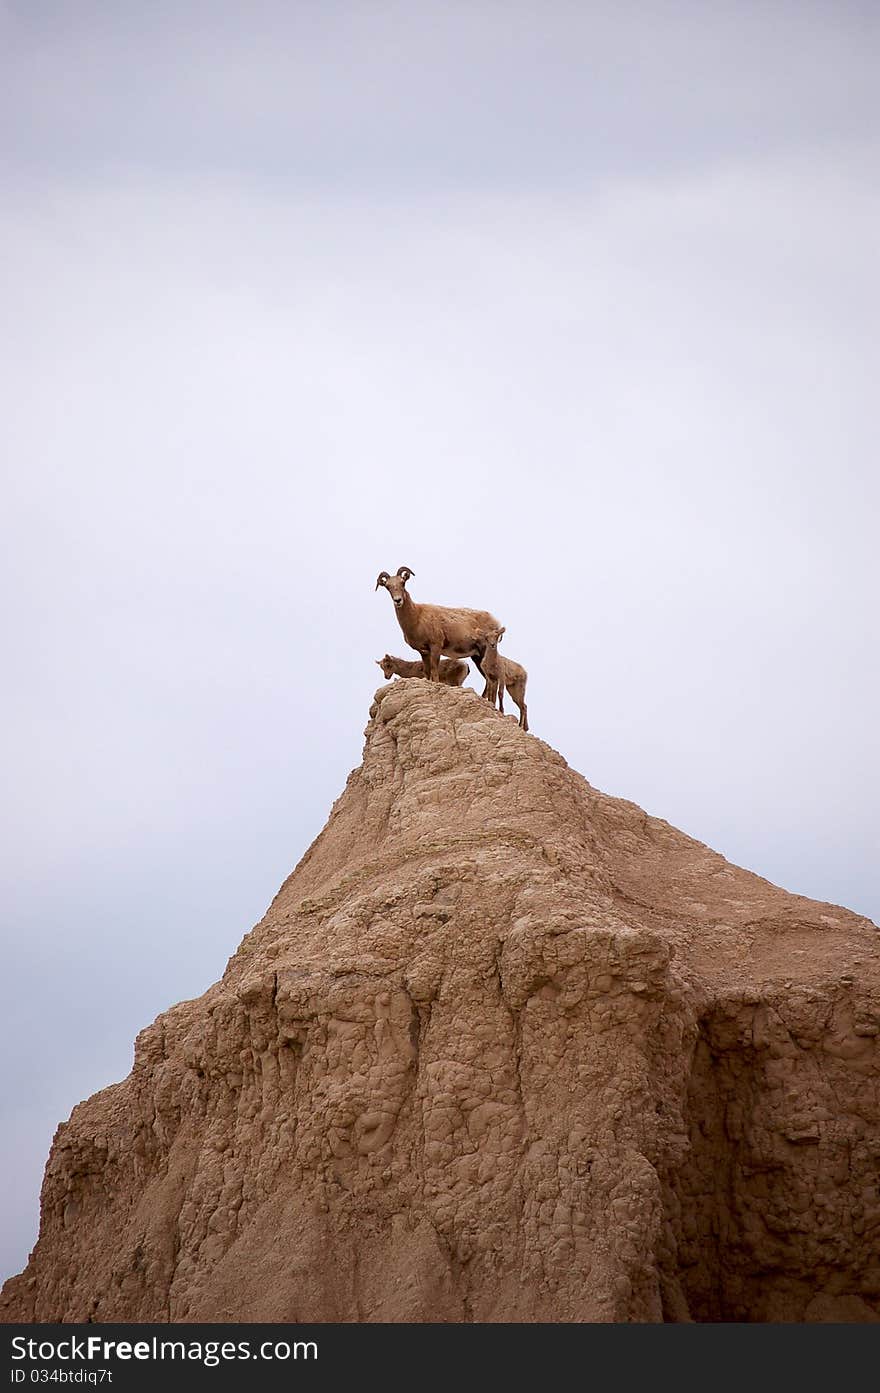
<point>502,1049</point>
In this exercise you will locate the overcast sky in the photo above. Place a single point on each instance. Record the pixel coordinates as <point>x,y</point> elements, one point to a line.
<point>571,308</point>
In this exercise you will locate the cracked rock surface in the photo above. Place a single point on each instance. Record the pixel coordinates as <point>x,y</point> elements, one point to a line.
<point>503,1048</point>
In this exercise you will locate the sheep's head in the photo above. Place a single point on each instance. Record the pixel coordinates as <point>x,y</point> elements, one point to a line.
<point>493,638</point>
<point>385,665</point>
<point>395,585</point>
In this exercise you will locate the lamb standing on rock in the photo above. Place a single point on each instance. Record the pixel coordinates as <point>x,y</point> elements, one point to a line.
<point>452,672</point>
<point>433,630</point>
<point>503,674</point>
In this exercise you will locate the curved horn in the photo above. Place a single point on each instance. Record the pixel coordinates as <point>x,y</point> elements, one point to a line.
<point>383,576</point>
<point>404,572</point>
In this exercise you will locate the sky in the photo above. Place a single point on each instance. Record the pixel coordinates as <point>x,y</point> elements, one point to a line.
<point>570,308</point>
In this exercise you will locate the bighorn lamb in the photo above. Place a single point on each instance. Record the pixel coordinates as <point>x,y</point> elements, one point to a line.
<point>452,672</point>
<point>503,674</point>
<point>433,630</point>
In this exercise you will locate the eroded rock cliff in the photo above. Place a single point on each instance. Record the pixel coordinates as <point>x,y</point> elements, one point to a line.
<point>502,1048</point>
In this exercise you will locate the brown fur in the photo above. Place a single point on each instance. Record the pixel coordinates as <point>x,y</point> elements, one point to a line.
<point>503,674</point>
<point>452,672</point>
<point>433,630</point>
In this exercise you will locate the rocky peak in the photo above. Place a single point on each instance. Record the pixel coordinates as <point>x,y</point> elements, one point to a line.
<point>503,1048</point>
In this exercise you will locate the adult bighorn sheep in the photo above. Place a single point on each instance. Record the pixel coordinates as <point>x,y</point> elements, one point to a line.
<point>433,630</point>
<point>452,672</point>
<point>504,674</point>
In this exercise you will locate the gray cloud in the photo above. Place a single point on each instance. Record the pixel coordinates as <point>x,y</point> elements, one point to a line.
<point>573,313</point>
<point>450,93</point>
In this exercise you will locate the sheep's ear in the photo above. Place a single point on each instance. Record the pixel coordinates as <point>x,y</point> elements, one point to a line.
<point>501,631</point>
<point>404,572</point>
<point>383,579</point>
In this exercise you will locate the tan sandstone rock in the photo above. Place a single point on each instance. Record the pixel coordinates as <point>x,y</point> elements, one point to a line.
<point>502,1049</point>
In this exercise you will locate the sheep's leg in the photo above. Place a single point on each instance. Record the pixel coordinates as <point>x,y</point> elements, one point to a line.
<point>501,695</point>
<point>432,665</point>
<point>486,689</point>
<point>518,692</point>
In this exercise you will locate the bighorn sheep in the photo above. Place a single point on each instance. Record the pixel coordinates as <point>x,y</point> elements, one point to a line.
<point>452,672</point>
<point>433,630</point>
<point>504,674</point>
